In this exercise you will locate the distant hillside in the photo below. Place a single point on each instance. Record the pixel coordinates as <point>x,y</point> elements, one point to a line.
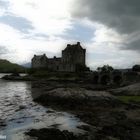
<point>26,65</point>
<point>8,67</point>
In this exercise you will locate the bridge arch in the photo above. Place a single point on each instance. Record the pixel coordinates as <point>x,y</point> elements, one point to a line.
<point>105,79</point>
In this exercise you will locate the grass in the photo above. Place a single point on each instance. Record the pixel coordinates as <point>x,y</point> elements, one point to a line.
<point>127,99</point>
<point>6,66</point>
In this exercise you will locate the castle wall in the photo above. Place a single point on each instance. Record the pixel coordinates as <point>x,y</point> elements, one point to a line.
<point>72,55</point>
<point>54,64</point>
<point>67,67</point>
<point>39,61</point>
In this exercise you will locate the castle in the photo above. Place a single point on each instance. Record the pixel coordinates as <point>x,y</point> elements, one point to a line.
<point>73,56</point>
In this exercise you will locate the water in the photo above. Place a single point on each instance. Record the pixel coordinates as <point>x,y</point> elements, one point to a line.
<point>18,113</point>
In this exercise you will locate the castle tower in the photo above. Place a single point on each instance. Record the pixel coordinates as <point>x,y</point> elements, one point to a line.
<point>74,54</point>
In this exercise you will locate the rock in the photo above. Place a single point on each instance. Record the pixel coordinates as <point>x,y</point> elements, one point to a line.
<point>123,130</point>
<point>22,107</point>
<point>76,97</point>
<point>49,111</point>
<point>111,138</point>
<point>53,134</point>
<point>133,89</point>
<point>19,121</point>
<point>106,117</point>
<point>15,74</point>
<point>84,127</point>
<point>118,115</point>
<point>89,128</point>
<point>17,78</point>
<point>2,123</point>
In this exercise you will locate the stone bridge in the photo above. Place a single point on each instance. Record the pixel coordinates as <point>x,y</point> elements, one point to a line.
<point>115,77</point>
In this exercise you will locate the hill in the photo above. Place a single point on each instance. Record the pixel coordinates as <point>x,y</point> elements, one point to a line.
<point>27,65</point>
<point>8,67</point>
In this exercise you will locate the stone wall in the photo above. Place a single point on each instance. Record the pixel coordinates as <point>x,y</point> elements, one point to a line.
<point>106,78</point>
<point>118,77</point>
<point>54,64</point>
<point>72,56</point>
<point>39,61</point>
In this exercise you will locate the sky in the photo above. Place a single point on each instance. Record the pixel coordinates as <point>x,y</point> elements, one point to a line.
<point>108,29</point>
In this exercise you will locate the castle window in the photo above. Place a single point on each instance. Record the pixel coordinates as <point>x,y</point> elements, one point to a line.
<point>57,67</point>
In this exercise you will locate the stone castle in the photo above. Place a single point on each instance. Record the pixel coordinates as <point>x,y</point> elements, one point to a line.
<point>72,57</point>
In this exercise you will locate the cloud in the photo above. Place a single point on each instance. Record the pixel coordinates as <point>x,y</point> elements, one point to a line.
<point>40,20</point>
<point>46,26</point>
<point>37,36</point>
<point>3,50</point>
<point>135,45</point>
<point>79,31</point>
<point>122,16</point>
<point>19,23</point>
<point>21,48</point>
<point>4,4</point>
<point>99,54</point>
<point>47,17</point>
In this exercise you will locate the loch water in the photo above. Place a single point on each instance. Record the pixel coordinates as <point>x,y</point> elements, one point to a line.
<point>19,113</point>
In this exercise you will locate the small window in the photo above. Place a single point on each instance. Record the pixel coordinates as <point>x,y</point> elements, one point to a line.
<point>57,67</point>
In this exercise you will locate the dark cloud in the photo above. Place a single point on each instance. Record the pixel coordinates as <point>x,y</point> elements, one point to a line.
<point>134,45</point>
<point>120,15</point>
<point>19,23</point>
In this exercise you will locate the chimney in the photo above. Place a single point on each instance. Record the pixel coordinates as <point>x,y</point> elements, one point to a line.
<point>78,43</point>
<point>68,45</point>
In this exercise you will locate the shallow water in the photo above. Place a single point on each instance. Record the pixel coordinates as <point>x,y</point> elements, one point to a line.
<point>18,112</point>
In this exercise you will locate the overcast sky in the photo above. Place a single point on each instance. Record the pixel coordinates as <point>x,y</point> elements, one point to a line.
<point>108,29</point>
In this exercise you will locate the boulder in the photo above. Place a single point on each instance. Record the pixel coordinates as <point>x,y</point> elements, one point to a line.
<point>76,97</point>
<point>133,89</point>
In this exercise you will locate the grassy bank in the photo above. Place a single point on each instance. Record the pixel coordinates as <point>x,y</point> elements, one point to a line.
<point>8,67</point>
<point>127,99</point>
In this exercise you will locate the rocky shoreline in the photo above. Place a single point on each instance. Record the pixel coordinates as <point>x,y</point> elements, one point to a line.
<point>108,118</point>
<point>17,77</point>
<point>53,133</point>
<point>104,114</point>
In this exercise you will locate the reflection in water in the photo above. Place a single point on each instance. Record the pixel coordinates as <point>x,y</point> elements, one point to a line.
<point>13,95</point>
<point>18,112</point>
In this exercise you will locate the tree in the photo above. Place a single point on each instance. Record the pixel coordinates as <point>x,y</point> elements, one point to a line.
<point>105,68</point>
<point>136,68</point>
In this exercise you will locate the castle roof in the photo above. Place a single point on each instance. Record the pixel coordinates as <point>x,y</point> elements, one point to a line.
<point>74,47</point>
<point>39,56</point>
